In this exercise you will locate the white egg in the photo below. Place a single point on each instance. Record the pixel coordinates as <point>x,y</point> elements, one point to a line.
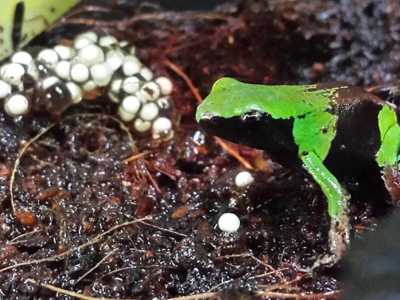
<point>115,59</point>
<point>165,85</point>
<point>91,35</point>
<point>81,42</point>
<point>89,86</point>
<point>101,74</point>
<point>132,50</point>
<point>21,57</point>
<point>124,115</point>
<point>5,89</point>
<point>84,39</point>
<point>16,105</point>
<point>113,91</point>
<point>107,41</point>
<point>63,69</point>
<point>12,73</point>
<point>146,73</point>
<point>64,52</point>
<point>141,126</point>
<point>228,222</point>
<point>32,70</point>
<point>123,44</point>
<point>131,65</point>
<point>243,179</point>
<point>49,57</point>
<point>91,55</point>
<point>150,91</point>
<point>149,111</point>
<point>75,91</point>
<point>49,81</point>
<point>131,104</point>
<point>131,85</point>
<point>79,72</point>
<point>162,125</point>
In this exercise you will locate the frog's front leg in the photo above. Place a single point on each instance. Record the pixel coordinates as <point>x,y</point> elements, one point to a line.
<point>338,208</point>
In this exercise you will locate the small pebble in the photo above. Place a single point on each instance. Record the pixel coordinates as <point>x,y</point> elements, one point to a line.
<point>229,222</point>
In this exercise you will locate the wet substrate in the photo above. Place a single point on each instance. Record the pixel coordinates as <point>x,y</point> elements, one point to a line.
<point>72,183</point>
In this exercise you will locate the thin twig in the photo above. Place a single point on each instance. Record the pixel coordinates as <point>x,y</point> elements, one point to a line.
<point>18,160</point>
<point>73,294</point>
<point>95,267</point>
<point>61,255</point>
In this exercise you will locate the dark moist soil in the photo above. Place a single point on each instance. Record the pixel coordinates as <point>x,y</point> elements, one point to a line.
<point>71,184</point>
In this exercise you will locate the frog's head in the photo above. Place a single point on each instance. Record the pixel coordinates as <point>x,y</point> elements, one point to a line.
<point>228,98</point>
<point>243,113</point>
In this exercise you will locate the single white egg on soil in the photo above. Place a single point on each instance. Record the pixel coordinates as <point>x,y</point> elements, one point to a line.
<point>228,222</point>
<point>243,179</point>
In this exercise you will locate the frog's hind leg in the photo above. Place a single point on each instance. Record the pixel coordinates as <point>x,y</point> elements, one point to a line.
<point>338,202</point>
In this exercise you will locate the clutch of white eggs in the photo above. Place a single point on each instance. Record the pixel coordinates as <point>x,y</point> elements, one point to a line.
<point>61,76</point>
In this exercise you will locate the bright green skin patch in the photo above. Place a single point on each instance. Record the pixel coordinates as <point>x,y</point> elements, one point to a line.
<point>314,126</point>
<point>390,137</point>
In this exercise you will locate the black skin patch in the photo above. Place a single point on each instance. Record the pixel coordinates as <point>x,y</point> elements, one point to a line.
<point>325,129</point>
<point>17,24</point>
<point>258,130</point>
<point>1,29</point>
<point>52,9</point>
